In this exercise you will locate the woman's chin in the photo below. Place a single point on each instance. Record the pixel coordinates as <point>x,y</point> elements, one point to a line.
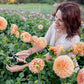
<point>57,27</point>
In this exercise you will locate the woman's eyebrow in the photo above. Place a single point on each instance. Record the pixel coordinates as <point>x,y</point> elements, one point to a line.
<point>58,18</point>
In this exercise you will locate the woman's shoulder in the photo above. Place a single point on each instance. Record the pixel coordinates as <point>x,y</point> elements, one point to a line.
<point>75,38</point>
<point>53,23</point>
<point>52,26</point>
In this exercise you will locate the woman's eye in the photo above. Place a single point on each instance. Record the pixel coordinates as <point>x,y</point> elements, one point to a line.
<point>60,20</point>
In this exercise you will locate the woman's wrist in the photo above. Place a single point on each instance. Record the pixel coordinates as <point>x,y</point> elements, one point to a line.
<point>20,68</point>
<point>30,51</point>
<point>26,65</point>
<point>34,50</point>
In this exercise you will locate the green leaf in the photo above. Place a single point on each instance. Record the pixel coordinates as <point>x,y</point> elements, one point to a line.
<point>30,82</point>
<point>21,75</point>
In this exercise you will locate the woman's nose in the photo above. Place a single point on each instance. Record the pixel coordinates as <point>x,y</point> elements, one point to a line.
<point>56,21</point>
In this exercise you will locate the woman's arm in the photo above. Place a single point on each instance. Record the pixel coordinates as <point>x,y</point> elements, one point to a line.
<point>17,68</point>
<point>26,53</point>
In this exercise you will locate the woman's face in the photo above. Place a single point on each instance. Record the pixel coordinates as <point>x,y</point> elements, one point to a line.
<point>58,20</point>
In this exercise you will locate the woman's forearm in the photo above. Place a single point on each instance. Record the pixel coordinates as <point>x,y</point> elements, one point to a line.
<point>35,49</point>
<point>16,68</point>
<point>19,68</point>
<point>23,66</point>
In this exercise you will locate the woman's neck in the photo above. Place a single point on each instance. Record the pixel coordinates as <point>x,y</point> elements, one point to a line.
<point>61,31</point>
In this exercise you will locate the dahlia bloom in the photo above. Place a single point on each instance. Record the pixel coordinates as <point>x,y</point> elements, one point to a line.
<point>22,17</point>
<point>14,28</point>
<point>41,42</point>
<point>34,39</point>
<point>74,48</point>
<point>26,37</point>
<point>23,32</point>
<point>40,27</point>
<point>36,65</point>
<point>3,23</point>
<point>37,14</point>
<point>17,34</point>
<point>80,77</point>
<point>81,53</point>
<point>81,44</point>
<point>78,48</point>
<point>63,66</point>
<point>57,50</point>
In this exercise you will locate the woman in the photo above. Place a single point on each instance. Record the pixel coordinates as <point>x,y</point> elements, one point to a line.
<point>64,31</point>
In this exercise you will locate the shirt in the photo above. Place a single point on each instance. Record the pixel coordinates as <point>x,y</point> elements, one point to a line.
<point>50,38</point>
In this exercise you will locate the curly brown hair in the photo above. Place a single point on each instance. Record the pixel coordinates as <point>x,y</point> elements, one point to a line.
<point>71,16</point>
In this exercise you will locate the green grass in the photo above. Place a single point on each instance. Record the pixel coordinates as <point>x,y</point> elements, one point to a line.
<point>43,8</point>
<point>82,10</point>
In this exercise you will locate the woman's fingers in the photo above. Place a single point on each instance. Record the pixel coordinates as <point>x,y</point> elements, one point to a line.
<point>12,68</point>
<point>7,67</point>
<point>22,56</point>
<point>21,60</point>
<point>48,57</point>
<point>22,53</point>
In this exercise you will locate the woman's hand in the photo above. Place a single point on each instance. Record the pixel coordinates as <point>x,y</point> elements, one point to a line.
<point>48,57</point>
<point>23,55</point>
<point>16,68</point>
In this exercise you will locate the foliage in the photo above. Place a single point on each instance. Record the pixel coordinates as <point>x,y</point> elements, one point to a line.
<point>10,45</point>
<point>42,8</point>
<point>38,1</point>
<point>47,1</point>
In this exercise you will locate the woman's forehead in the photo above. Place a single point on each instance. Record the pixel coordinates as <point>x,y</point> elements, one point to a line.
<point>59,14</point>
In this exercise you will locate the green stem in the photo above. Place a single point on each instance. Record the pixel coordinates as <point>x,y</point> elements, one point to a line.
<point>39,77</point>
<point>63,81</point>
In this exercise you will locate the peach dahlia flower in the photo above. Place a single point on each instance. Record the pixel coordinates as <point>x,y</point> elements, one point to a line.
<point>22,17</point>
<point>3,23</point>
<point>14,28</point>
<point>34,39</point>
<point>57,50</point>
<point>80,77</point>
<point>78,48</point>
<point>23,31</point>
<point>63,66</point>
<point>74,48</point>
<point>40,27</point>
<point>81,44</point>
<point>17,34</point>
<point>26,37</point>
<point>41,42</point>
<point>36,65</point>
<point>37,13</point>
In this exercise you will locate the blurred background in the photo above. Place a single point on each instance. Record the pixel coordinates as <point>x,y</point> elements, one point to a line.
<point>38,1</point>
<point>42,6</point>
